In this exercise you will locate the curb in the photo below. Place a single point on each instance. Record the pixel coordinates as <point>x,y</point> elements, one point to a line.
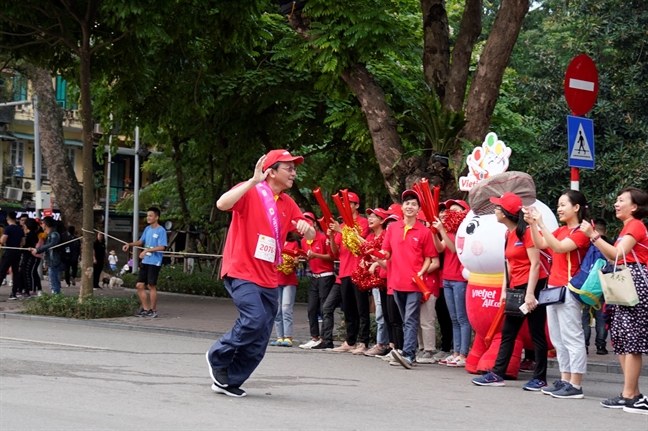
<point>112,325</point>
<point>596,367</point>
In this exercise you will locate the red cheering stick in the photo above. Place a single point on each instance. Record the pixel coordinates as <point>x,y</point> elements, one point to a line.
<point>493,327</point>
<point>377,253</point>
<point>435,206</point>
<point>342,210</point>
<point>323,224</point>
<point>347,206</point>
<point>422,287</point>
<point>326,211</point>
<point>424,205</point>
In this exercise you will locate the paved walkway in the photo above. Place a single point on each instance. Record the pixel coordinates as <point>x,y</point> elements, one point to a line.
<point>206,317</point>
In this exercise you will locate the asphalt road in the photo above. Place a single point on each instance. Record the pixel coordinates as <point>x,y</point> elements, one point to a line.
<point>67,377</point>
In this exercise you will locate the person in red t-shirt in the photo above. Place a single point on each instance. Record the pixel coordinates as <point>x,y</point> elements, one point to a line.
<point>262,216</point>
<point>321,262</point>
<point>526,272</point>
<point>287,290</point>
<point>628,326</point>
<point>410,247</point>
<point>356,303</point>
<point>454,289</point>
<point>569,246</point>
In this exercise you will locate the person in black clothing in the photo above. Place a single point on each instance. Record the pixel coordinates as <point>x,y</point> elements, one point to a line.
<point>71,253</point>
<point>98,258</point>
<point>28,272</point>
<point>11,237</point>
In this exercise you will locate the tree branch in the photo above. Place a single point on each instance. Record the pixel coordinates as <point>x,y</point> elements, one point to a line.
<point>62,37</point>
<point>469,32</point>
<point>436,46</point>
<point>109,42</point>
<point>72,12</point>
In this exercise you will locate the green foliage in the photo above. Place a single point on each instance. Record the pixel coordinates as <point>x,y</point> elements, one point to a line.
<point>91,307</point>
<point>173,279</point>
<point>613,33</point>
<point>439,126</point>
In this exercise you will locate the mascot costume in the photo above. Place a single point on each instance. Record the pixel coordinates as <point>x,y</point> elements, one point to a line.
<point>480,248</point>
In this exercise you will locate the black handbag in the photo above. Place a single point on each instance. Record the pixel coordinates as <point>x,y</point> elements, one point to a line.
<point>514,300</point>
<point>552,295</point>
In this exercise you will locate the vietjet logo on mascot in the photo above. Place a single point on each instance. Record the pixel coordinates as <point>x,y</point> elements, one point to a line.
<point>480,248</point>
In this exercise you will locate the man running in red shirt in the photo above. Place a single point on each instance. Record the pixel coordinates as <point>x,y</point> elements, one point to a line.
<point>262,216</point>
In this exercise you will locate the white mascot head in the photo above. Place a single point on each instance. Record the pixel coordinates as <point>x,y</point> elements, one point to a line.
<point>480,238</point>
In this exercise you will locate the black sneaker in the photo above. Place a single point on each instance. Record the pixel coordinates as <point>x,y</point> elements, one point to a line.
<point>557,385</point>
<point>12,298</point>
<point>601,350</point>
<point>142,313</point>
<point>218,375</point>
<point>230,391</point>
<point>640,406</point>
<point>323,345</point>
<point>152,313</point>
<point>619,402</point>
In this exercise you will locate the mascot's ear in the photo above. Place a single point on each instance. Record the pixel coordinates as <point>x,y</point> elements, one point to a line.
<point>465,273</point>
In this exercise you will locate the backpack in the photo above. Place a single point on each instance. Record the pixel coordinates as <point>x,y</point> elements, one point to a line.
<point>585,285</point>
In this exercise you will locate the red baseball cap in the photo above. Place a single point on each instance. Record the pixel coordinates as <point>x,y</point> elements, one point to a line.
<point>379,212</point>
<point>275,156</point>
<point>395,209</point>
<point>459,202</point>
<point>510,202</point>
<point>310,216</point>
<point>391,217</point>
<point>354,198</point>
<point>407,193</point>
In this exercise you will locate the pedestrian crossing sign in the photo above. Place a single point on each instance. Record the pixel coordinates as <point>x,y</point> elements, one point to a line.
<point>580,135</point>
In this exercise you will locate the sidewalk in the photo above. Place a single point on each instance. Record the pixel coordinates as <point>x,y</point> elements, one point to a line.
<point>205,317</point>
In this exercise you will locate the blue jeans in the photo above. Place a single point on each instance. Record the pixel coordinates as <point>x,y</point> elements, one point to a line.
<point>409,305</point>
<point>455,296</point>
<point>284,317</point>
<point>54,273</point>
<point>241,349</point>
<point>382,334</point>
<point>599,325</point>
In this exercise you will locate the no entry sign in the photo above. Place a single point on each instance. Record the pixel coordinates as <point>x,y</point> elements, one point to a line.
<point>581,84</point>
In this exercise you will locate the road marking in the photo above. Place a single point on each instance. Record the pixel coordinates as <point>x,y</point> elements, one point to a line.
<point>53,343</point>
<point>581,85</point>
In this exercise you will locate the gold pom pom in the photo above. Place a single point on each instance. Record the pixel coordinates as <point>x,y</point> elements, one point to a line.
<point>288,265</point>
<point>351,239</point>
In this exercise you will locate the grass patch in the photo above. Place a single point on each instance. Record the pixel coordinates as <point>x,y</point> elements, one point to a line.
<point>173,279</point>
<point>92,307</point>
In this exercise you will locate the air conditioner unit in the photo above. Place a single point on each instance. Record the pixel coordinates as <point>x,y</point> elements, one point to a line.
<point>28,186</point>
<point>97,129</point>
<point>13,193</point>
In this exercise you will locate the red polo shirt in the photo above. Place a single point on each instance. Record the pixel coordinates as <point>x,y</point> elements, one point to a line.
<point>452,267</point>
<point>518,259</point>
<point>636,229</point>
<point>349,262</point>
<point>319,245</point>
<point>288,279</point>
<point>408,252</point>
<point>249,221</point>
<point>559,266</point>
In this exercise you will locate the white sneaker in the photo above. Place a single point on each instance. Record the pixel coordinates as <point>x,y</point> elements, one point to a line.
<point>441,355</point>
<point>40,293</point>
<point>388,357</point>
<point>447,359</point>
<point>457,362</point>
<point>426,358</point>
<point>310,344</point>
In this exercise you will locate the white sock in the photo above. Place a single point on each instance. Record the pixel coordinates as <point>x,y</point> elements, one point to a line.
<point>576,386</point>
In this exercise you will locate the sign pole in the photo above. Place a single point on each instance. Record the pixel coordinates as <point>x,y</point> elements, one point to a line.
<point>575,176</point>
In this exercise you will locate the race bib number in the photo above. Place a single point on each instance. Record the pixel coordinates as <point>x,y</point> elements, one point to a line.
<point>265,249</point>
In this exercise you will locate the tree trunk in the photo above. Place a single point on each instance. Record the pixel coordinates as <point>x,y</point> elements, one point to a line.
<point>382,126</point>
<point>469,32</point>
<point>88,178</point>
<point>61,174</point>
<point>436,46</point>
<point>484,90</point>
